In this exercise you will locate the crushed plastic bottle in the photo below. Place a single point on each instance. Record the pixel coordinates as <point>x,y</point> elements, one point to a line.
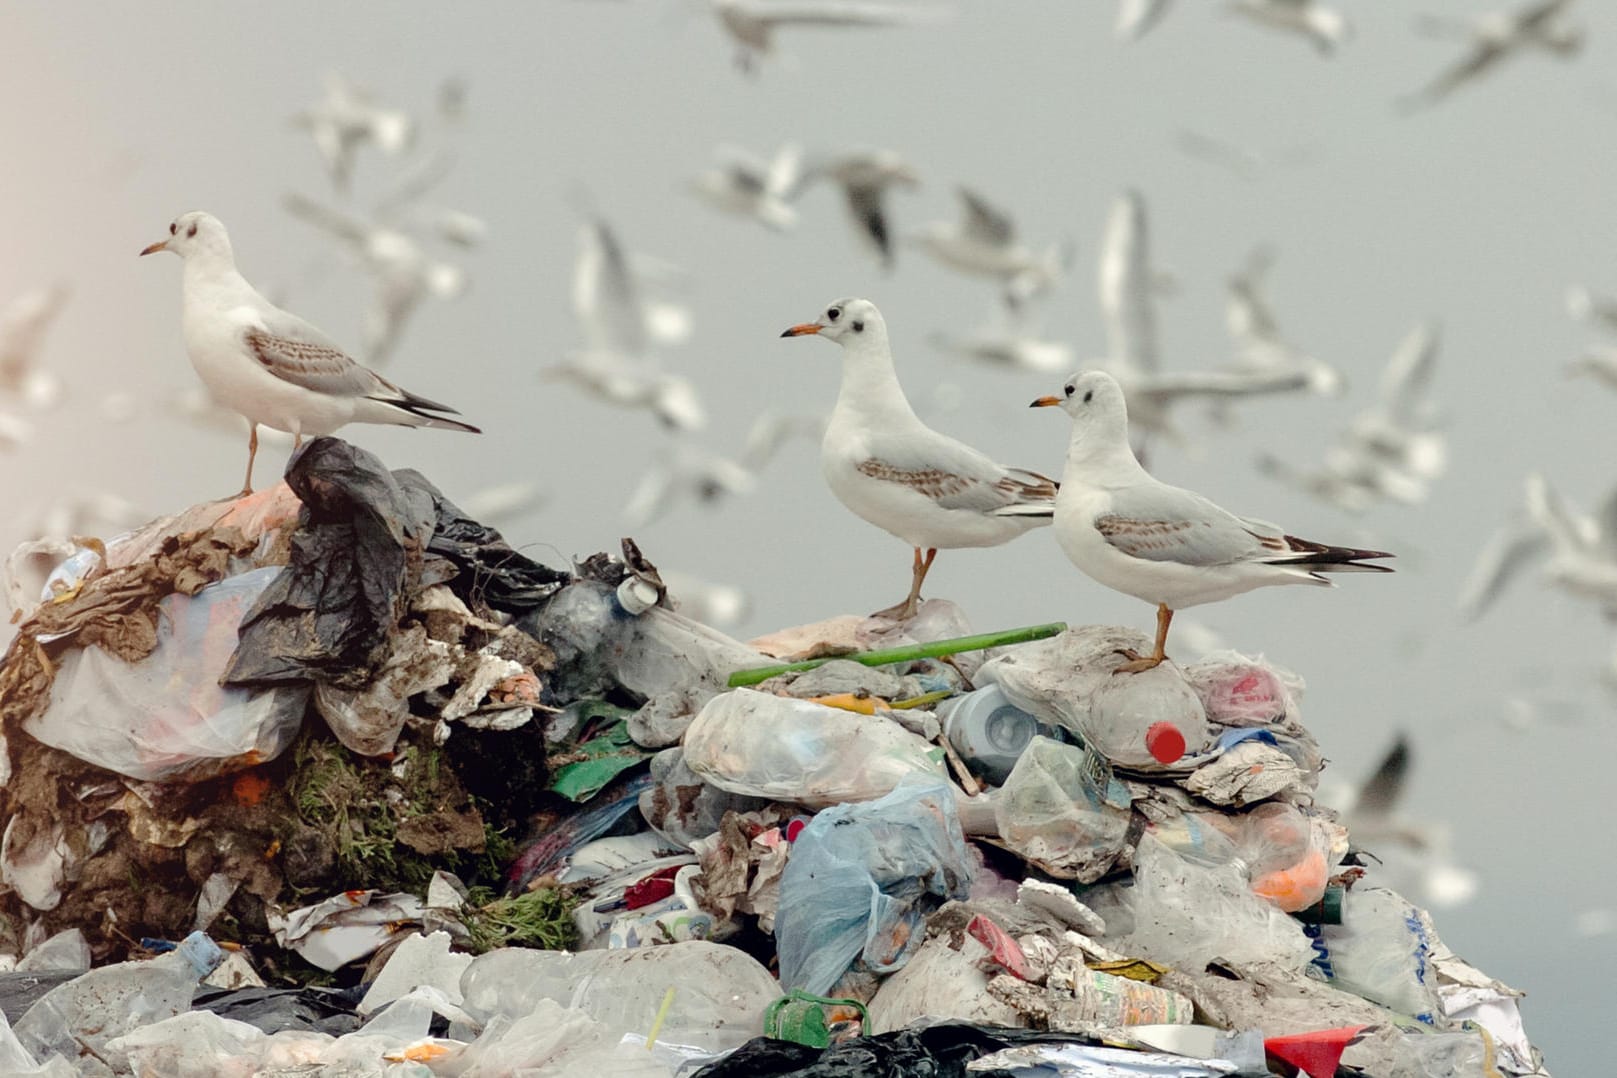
<point>76,1020</point>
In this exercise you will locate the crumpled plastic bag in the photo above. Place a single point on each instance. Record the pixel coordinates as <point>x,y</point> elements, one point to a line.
<point>1286,854</point>
<point>1052,813</point>
<point>858,880</point>
<point>1187,915</point>
<point>1242,690</point>
<point>801,752</point>
<point>681,807</point>
<point>1383,951</point>
<point>166,718</point>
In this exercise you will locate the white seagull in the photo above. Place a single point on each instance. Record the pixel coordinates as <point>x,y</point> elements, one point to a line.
<point>983,243</point>
<point>1326,28</point>
<point>888,467</point>
<point>405,275</point>
<point>752,23</point>
<point>1495,38</point>
<point>1255,332</point>
<point>865,177</point>
<point>746,186</point>
<point>23,324</point>
<point>269,365</point>
<point>349,118</point>
<point>1159,543</point>
<point>1135,18</point>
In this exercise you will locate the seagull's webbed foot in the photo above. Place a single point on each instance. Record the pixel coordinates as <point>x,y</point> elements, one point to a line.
<point>903,611</point>
<point>1137,662</point>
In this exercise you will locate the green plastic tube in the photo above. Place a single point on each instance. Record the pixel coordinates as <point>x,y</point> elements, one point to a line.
<point>882,657</point>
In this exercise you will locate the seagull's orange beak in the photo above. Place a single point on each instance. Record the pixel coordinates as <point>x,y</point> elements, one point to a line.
<point>803,330</point>
<point>160,245</point>
<point>1046,402</point>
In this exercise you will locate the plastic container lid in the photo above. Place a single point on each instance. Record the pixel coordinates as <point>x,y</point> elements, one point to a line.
<point>636,595</point>
<point>1164,742</point>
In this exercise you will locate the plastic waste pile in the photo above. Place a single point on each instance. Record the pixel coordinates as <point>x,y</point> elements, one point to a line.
<point>331,780</point>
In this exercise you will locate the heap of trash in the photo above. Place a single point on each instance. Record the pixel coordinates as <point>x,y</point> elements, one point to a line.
<point>329,779</point>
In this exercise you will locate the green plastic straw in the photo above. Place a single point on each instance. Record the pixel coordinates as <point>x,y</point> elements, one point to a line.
<point>935,650</point>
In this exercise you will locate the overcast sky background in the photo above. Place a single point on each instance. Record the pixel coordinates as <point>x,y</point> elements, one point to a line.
<point>1480,213</point>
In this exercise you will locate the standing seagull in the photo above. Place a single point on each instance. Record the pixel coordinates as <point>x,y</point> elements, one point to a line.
<point>269,365</point>
<point>1159,543</point>
<point>893,470</point>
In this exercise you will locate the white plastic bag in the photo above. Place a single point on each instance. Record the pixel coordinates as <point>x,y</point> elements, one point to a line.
<point>166,718</point>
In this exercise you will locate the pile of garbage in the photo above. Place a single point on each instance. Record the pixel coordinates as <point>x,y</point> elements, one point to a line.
<point>330,779</point>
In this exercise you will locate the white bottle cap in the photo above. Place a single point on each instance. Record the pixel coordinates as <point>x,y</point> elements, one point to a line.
<point>636,595</point>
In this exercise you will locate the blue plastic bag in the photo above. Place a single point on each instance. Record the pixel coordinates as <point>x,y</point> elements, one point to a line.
<point>861,878</point>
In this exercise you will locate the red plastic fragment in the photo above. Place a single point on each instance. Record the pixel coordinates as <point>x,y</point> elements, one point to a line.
<point>1002,947</point>
<point>1316,1052</point>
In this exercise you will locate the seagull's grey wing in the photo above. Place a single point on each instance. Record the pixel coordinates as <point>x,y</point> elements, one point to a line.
<point>604,293</point>
<point>1163,523</point>
<point>1507,552</point>
<point>344,226</point>
<point>865,203</point>
<point>1408,377</point>
<point>955,476</point>
<point>1534,16</point>
<point>1380,793</point>
<point>1482,57</point>
<point>1135,18</point>
<point>1126,301</point>
<point>1165,388</point>
<point>835,13</point>
<point>315,366</point>
<point>984,222</point>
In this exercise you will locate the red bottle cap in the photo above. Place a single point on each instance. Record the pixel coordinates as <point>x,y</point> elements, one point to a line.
<point>1164,741</point>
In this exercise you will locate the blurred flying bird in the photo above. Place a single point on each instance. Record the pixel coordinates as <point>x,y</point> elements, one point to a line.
<point>1495,38</point>
<point>1135,18</point>
<point>1391,451</point>
<point>23,325</point>
<point>746,186</point>
<point>1326,28</point>
<point>1255,333</point>
<point>752,23</point>
<point>983,243</point>
<point>404,274</point>
<point>349,118</point>
<point>1578,552</point>
<point>865,177</point>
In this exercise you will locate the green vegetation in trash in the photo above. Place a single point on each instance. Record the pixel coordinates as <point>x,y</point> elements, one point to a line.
<point>541,918</point>
<point>390,825</point>
<point>937,649</point>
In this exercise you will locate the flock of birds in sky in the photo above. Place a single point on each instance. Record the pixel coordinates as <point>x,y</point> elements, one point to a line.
<point>630,315</point>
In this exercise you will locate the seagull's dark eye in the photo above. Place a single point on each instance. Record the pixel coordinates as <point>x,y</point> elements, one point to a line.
<point>1089,396</point>
<point>171,226</point>
<point>192,231</point>
<point>858,327</point>
<point>1069,390</point>
<point>833,314</point>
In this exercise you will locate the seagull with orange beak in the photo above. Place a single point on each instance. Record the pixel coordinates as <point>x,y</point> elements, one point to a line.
<point>269,365</point>
<point>888,467</point>
<point>1165,545</point>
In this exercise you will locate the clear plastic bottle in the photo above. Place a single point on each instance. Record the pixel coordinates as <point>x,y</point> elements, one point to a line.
<point>988,731</point>
<point>77,1019</point>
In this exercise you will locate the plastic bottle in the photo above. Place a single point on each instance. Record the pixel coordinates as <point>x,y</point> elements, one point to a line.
<point>79,1018</point>
<point>988,731</point>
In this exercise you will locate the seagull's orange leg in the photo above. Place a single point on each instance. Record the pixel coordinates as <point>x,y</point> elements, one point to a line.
<point>1137,662</point>
<point>918,570</point>
<point>252,451</point>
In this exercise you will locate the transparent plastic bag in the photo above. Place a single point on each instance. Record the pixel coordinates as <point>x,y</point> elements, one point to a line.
<point>801,752</point>
<point>1285,854</point>
<point>1240,690</point>
<point>1383,951</point>
<point>860,879</point>
<point>1054,813</point>
<point>167,718</point>
<point>1187,915</point>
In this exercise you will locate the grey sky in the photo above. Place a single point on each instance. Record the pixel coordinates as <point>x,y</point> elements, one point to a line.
<point>1479,213</point>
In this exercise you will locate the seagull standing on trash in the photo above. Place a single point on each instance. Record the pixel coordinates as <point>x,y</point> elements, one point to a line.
<point>891,469</point>
<point>271,366</point>
<point>1159,543</point>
